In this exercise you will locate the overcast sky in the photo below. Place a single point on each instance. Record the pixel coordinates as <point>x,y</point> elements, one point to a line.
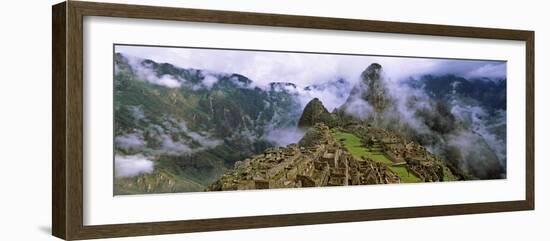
<point>305,69</point>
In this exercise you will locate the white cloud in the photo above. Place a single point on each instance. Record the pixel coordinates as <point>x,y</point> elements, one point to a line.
<point>202,138</point>
<point>146,73</point>
<point>491,71</point>
<point>130,141</point>
<point>471,69</point>
<point>176,138</point>
<point>128,166</point>
<point>171,147</point>
<point>209,81</point>
<point>137,112</point>
<point>302,69</point>
<point>166,80</point>
<point>359,108</point>
<point>284,136</point>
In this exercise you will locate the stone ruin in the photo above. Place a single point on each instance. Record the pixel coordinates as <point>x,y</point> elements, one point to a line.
<point>325,163</point>
<point>401,152</point>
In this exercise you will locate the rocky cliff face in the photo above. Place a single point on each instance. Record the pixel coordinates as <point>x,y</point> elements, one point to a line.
<point>373,89</point>
<point>323,162</point>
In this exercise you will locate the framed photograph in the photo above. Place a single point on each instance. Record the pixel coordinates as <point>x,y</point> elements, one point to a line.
<point>171,120</point>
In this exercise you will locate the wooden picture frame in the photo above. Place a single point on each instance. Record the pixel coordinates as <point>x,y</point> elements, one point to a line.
<point>67,150</point>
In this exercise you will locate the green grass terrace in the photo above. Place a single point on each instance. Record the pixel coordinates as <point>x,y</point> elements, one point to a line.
<point>356,147</point>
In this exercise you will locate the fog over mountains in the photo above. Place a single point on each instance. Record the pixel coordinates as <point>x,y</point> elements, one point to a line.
<point>187,115</point>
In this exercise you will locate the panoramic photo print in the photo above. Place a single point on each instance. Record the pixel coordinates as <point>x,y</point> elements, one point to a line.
<point>201,119</point>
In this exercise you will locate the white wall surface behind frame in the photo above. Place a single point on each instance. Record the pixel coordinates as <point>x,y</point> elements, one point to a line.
<point>100,207</point>
<point>25,130</point>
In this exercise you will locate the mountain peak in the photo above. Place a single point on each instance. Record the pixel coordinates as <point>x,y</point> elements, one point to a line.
<point>372,72</point>
<point>376,93</point>
<point>315,112</point>
<point>373,89</point>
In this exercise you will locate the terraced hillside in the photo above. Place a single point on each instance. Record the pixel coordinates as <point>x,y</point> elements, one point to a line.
<point>356,147</point>
<point>318,160</point>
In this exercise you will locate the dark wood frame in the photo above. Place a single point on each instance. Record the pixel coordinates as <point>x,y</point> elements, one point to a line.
<point>67,138</point>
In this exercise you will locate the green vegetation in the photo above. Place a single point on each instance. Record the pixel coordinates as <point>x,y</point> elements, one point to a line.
<point>194,132</point>
<point>448,175</point>
<point>404,174</point>
<point>159,181</point>
<point>354,145</point>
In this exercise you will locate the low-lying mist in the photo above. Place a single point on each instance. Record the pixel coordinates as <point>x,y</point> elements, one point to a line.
<point>454,126</point>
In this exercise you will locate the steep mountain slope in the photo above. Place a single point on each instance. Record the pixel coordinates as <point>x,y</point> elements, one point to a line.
<point>192,124</point>
<point>489,93</point>
<point>315,112</point>
<point>479,104</point>
<point>432,120</point>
